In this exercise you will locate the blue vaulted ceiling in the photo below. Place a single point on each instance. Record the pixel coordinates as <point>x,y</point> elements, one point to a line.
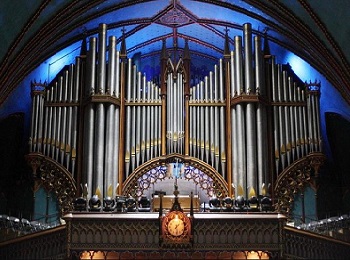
<point>33,31</point>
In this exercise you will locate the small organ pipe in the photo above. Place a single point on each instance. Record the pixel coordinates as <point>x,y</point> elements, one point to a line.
<point>207,122</point>
<point>296,123</point>
<point>202,123</point>
<point>309,121</point>
<point>138,120</point>
<point>64,116</point>
<point>76,85</point>
<point>222,122</point>
<point>46,123</point>
<point>286,117</point>
<point>306,138</point>
<point>318,124</point>
<point>234,126</point>
<point>291,119</point>
<point>133,118</point>
<point>301,124</point>
<point>59,118</point>
<point>281,117</point>
<point>68,144</point>
<point>275,112</point>
<point>128,120</point>
<point>145,88</point>
<point>41,120</point>
<point>50,124</point>
<point>55,122</point>
<point>314,122</point>
<point>148,133</point>
<point>216,117</point>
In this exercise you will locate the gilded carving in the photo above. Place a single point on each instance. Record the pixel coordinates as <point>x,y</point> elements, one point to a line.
<point>53,177</point>
<point>294,178</point>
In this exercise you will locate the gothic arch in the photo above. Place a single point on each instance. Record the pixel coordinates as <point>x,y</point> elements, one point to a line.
<point>54,177</point>
<point>294,178</point>
<point>156,169</point>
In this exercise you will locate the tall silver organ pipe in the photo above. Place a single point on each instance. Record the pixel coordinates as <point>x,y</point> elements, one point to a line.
<point>89,117</point>
<point>99,142</point>
<point>234,142</point>
<point>110,116</point>
<point>241,148</point>
<point>251,165</point>
<point>261,118</point>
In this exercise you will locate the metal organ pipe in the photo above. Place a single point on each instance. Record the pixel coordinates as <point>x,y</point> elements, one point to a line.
<point>201,123</point>
<point>207,121</point>
<point>286,117</point>
<point>64,116</point>
<point>100,111</point>
<point>138,121</point>
<point>306,138</point>
<point>89,118</point>
<point>41,99</point>
<point>78,72</point>
<point>261,125</point>
<point>46,123</point>
<point>145,89</point>
<point>251,166</point>
<point>149,125</point>
<point>216,118</point>
<point>291,119</point>
<point>281,118</point>
<point>152,126</point>
<point>234,142</point>
<point>133,118</point>
<point>318,124</point>
<point>296,123</point>
<point>110,115</point>
<point>310,121</point>
<point>274,79</point>
<point>222,121</point>
<point>69,96</point>
<point>116,132</point>
<point>51,124</point>
<point>301,124</point>
<point>59,119</point>
<point>241,149</point>
<point>128,120</point>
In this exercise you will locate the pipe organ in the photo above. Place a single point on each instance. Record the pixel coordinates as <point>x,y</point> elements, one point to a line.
<point>249,118</point>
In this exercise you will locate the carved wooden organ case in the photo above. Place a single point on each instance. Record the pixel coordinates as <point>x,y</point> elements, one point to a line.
<point>249,122</point>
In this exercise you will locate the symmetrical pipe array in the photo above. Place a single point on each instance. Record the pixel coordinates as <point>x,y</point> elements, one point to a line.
<point>103,112</point>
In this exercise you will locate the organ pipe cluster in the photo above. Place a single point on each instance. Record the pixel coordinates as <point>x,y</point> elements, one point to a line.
<point>249,118</point>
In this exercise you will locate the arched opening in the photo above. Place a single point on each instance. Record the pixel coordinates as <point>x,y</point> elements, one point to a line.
<point>190,174</point>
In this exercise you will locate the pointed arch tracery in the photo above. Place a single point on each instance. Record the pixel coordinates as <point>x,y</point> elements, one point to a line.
<point>157,169</point>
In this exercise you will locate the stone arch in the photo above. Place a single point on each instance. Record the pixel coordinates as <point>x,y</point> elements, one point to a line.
<point>156,169</point>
